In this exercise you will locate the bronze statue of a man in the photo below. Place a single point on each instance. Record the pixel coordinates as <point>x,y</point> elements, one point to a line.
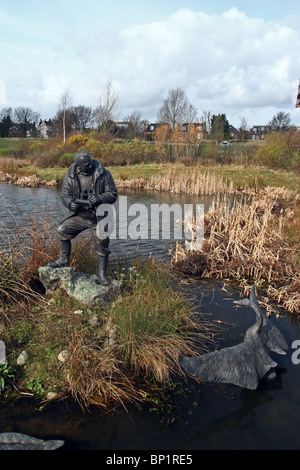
<point>86,185</point>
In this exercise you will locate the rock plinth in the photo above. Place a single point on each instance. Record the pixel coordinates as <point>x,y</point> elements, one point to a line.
<point>80,286</point>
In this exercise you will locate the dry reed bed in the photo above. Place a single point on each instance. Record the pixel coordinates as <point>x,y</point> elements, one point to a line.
<point>29,181</point>
<point>190,181</point>
<point>247,240</point>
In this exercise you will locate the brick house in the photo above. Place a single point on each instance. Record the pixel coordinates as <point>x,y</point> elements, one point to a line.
<point>185,130</point>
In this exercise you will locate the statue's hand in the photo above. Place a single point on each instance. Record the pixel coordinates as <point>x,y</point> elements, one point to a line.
<point>74,207</point>
<point>95,200</point>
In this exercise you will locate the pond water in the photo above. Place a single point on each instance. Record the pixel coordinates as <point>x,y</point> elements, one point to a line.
<point>18,205</point>
<point>196,416</point>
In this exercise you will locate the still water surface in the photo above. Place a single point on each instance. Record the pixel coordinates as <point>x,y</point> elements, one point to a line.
<point>203,416</point>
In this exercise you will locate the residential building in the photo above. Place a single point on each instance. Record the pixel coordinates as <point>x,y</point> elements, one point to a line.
<point>259,132</point>
<point>45,129</point>
<point>185,131</point>
<point>233,132</point>
<point>153,129</point>
<point>196,128</point>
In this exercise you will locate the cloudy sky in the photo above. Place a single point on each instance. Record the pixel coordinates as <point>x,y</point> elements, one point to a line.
<point>239,57</point>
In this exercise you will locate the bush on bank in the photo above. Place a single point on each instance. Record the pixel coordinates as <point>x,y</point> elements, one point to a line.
<point>280,150</point>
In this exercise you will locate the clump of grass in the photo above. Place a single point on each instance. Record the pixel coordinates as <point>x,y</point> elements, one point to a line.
<point>14,285</point>
<point>96,376</point>
<point>247,241</point>
<point>15,166</point>
<point>155,324</point>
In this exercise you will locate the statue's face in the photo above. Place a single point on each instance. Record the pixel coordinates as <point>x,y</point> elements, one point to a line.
<point>85,166</point>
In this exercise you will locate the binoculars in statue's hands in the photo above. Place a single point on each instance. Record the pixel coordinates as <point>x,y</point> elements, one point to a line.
<point>87,199</point>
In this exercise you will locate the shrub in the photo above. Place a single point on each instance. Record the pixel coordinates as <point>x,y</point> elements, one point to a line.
<point>278,151</point>
<point>66,159</point>
<point>124,153</point>
<point>48,158</point>
<point>78,139</point>
<point>5,152</point>
<point>36,147</point>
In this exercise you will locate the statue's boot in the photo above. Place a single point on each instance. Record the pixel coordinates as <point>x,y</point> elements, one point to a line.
<point>64,258</point>
<point>101,268</point>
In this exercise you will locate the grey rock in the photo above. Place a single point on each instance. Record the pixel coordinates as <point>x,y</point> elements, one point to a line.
<point>19,441</point>
<point>83,287</point>
<point>52,395</point>
<point>94,320</point>
<point>22,359</point>
<point>63,356</point>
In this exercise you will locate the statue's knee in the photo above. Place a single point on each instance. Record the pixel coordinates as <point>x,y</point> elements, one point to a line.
<point>61,233</point>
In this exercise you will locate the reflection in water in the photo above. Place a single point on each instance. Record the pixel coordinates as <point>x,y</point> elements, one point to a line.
<point>205,416</point>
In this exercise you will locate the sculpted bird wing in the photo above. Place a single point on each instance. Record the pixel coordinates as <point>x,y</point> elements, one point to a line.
<point>243,365</point>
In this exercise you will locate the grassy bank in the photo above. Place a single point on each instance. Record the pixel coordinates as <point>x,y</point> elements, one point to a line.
<point>149,175</point>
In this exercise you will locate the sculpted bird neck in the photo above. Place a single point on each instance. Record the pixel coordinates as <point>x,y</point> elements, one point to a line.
<point>256,328</point>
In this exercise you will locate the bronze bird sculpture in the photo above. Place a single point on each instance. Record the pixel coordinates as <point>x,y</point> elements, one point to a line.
<point>244,364</point>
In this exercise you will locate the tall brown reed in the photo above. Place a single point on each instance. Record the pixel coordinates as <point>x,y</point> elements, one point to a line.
<point>247,241</point>
<point>193,181</point>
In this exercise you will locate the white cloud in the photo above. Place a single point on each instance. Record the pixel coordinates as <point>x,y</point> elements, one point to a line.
<point>228,62</point>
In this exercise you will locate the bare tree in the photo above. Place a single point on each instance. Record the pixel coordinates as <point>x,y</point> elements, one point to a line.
<point>6,112</point>
<point>63,121</point>
<point>280,122</point>
<point>107,111</point>
<point>135,124</point>
<point>176,109</point>
<point>243,128</point>
<point>82,117</point>
<point>65,103</point>
<point>206,117</point>
<point>25,117</point>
